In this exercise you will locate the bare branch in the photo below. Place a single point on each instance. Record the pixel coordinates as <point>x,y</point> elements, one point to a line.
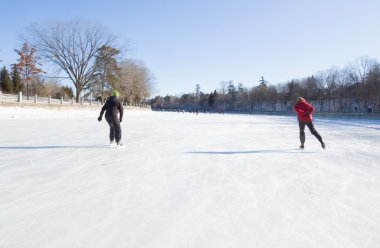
<point>72,46</point>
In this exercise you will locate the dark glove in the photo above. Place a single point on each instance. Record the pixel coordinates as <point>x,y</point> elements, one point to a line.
<point>99,118</point>
<point>120,119</point>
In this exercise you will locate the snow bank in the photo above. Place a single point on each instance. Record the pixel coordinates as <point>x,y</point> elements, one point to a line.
<point>44,113</point>
<point>53,113</point>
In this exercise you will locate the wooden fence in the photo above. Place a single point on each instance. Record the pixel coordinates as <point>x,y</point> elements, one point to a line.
<point>21,99</point>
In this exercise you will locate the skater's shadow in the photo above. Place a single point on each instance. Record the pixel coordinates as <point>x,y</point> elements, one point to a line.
<point>53,147</point>
<point>249,152</point>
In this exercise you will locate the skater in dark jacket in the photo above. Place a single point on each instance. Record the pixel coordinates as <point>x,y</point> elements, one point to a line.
<point>113,107</point>
<point>304,111</point>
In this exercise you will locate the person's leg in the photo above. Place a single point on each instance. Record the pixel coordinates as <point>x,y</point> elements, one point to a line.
<point>314,132</point>
<point>117,128</point>
<point>302,133</point>
<point>112,128</point>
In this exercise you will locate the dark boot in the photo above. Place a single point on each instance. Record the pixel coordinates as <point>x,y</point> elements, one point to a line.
<point>302,139</point>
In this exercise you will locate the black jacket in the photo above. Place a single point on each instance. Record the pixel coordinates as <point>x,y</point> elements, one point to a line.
<point>112,107</point>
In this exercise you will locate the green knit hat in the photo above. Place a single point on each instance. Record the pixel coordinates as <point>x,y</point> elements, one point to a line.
<point>115,93</point>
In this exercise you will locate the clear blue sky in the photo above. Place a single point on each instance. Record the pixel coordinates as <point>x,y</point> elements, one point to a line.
<point>206,41</point>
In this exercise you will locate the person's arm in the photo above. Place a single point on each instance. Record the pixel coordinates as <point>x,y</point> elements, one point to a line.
<point>121,111</point>
<point>102,112</point>
<point>298,110</point>
<point>310,109</point>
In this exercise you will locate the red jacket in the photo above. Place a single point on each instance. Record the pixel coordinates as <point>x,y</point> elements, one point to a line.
<point>304,111</point>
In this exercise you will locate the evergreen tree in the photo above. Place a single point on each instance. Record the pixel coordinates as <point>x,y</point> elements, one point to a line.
<point>231,88</point>
<point>211,99</point>
<point>231,94</point>
<point>106,69</point>
<point>263,82</point>
<point>16,80</point>
<point>6,82</point>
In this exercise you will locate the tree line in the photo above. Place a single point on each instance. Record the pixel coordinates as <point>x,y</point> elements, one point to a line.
<point>354,88</point>
<point>86,54</point>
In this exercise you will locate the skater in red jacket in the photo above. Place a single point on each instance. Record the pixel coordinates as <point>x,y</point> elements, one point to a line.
<point>304,111</point>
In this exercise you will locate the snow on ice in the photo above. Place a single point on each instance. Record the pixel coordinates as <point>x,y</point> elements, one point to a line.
<point>186,180</point>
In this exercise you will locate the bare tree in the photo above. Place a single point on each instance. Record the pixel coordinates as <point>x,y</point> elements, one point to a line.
<point>358,72</point>
<point>242,96</point>
<point>374,85</point>
<point>38,87</point>
<point>72,46</point>
<point>263,97</point>
<point>362,66</point>
<point>135,83</point>
<point>223,87</point>
<point>52,87</point>
<point>309,88</point>
<point>327,83</point>
<point>197,90</point>
<point>342,91</point>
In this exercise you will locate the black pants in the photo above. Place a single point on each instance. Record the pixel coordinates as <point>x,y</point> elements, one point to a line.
<point>115,129</point>
<point>311,127</point>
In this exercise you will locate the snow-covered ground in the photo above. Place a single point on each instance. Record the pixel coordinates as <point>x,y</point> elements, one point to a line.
<point>186,180</point>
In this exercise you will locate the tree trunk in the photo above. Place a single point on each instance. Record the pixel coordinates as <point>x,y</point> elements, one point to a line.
<point>77,95</point>
<point>102,95</point>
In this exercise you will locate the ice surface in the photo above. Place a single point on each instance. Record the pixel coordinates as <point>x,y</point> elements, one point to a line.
<point>186,180</point>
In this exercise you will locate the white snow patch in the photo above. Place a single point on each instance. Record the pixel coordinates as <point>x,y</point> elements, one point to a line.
<point>186,180</point>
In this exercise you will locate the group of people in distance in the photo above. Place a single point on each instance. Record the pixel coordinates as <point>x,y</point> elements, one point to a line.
<point>113,109</point>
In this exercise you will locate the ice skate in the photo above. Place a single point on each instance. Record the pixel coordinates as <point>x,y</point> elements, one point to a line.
<point>120,144</point>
